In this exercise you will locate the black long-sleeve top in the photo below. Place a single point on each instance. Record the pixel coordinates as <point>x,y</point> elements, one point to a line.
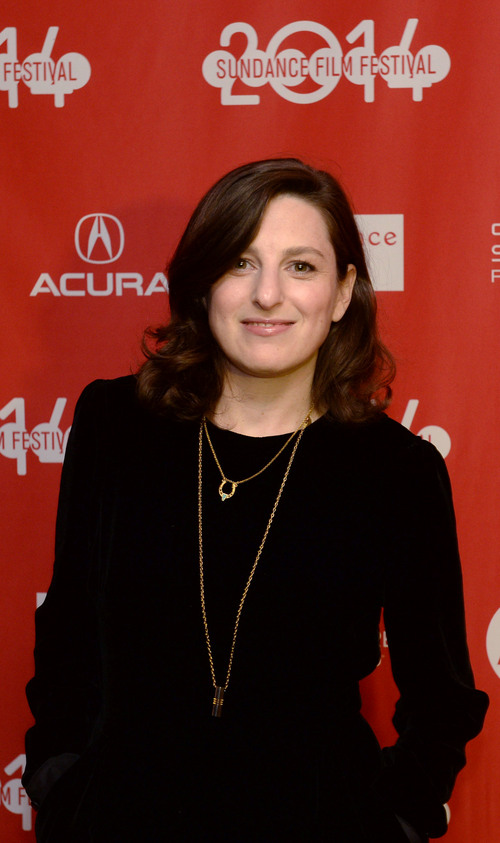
<point>125,747</point>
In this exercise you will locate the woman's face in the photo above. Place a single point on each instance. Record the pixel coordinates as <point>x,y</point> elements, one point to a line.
<point>272,311</point>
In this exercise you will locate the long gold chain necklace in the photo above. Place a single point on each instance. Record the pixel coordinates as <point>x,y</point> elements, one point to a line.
<point>225,495</point>
<point>219,690</point>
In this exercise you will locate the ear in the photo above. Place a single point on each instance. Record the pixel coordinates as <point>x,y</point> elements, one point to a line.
<point>344,293</point>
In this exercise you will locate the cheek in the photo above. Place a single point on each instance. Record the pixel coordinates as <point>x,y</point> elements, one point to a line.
<point>216,310</point>
<point>325,330</point>
<point>221,321</point>
<point>223,303</point>
<point>323,311</point>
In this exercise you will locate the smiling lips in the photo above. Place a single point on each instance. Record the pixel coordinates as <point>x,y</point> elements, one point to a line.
<point>266,327</point>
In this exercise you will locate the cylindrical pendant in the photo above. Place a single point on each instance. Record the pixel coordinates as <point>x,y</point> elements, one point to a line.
<point>218,701</point>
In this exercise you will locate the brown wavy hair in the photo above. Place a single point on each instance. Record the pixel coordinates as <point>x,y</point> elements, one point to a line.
<point>184,368</point>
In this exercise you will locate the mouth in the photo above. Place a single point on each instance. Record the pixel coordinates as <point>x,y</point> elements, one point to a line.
<point>266,327</point>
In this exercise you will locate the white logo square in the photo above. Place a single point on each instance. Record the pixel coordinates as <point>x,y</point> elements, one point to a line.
<point>383,240</point>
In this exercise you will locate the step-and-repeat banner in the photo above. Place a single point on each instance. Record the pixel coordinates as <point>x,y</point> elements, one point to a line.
<point>115,118</point>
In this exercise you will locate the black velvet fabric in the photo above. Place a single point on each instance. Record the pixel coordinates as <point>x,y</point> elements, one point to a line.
<point>122,676</point>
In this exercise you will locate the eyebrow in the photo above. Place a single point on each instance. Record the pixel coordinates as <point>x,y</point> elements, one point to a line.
<point>296,251</point>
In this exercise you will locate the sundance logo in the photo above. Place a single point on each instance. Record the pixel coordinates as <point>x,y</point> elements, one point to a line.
<point>317,57</point>
<point>39,72</point>
<point>433,433</point>
<point>493,642</point>
<point>13,795</point>
<point>383,240</point>
<point>47,441</point>
<point>99,239</point>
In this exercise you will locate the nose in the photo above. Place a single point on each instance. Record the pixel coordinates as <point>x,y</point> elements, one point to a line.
<point>268,288</point>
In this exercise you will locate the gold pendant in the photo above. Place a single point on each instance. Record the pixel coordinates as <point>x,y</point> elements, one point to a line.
<point>225,495</point>
<point>218,701</point>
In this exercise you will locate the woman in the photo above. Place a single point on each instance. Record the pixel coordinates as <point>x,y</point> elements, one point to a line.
<point>231,523</point>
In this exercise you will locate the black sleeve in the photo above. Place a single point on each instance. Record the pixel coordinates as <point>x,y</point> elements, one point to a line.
<point>65,693</point>
<point>439,709</point>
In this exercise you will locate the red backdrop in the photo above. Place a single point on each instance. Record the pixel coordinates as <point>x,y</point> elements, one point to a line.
<point>115,119</point>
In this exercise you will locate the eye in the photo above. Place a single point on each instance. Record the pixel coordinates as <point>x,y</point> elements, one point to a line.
<point>241,264</point>
<point>302,267</point>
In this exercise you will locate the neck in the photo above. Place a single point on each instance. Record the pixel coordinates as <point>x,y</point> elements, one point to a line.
<point>263,406</point>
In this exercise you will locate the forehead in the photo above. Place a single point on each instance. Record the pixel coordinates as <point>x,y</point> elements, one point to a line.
<point>290,216</point>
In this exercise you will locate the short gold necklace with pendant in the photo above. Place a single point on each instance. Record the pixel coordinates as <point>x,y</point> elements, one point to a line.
<point>228,493</point>
<point>219,690</point>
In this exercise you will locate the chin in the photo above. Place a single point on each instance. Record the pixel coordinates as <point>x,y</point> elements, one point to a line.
<point>268,370</point>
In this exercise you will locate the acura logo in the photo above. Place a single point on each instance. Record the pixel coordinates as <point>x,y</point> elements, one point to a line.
<point>99,238</point>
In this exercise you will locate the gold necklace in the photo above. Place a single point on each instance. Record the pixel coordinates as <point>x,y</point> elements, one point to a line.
<point>235,483</point>
<point>219,690</point>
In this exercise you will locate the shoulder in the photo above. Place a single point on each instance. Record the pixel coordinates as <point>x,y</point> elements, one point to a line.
<point>108,410</point>
<point>402,447</point>
<point>112,414</point>
<point>102,392</point>
<point>381,438</point>
<point>383,454</point>
<point>409,468</point>
<point>110,400</point>
<point>395,441</point>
